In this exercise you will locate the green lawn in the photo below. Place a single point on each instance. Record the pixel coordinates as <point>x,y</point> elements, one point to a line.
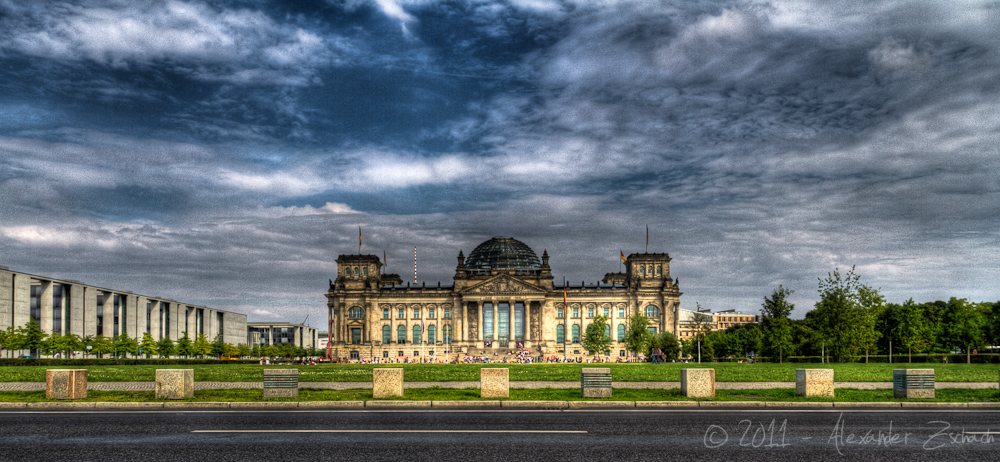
<point>725,372</point>
<point>546,394</point>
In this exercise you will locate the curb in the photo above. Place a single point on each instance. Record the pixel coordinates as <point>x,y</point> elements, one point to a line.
<point>878,404</point>
<point>396,404</point>
<point>196,405</point>
<point>264,405</point>
<point>493,404</point>
<point>535,404</point>
<point>657,404</point>
<point>808,404</point>
<point>331,404</point>
<point>730,404</point>
<point>600,404</point>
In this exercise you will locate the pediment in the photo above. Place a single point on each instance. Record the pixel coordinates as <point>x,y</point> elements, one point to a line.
<point>503,285</point>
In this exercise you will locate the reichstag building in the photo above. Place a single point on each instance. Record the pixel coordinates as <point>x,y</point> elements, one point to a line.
<point>503,298</point>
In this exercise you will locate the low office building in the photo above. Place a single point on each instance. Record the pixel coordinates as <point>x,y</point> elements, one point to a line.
<point>280,333</point>
<point>64,306</point>
<point>720,320</point>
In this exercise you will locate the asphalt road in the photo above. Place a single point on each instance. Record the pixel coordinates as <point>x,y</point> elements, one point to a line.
<point>496,435</point>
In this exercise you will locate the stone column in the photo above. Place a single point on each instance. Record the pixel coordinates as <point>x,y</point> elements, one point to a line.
<point>108,310</point>
<point>76,310</point>
<point>89,311</point>
<point>21,299</point>
<point>138,326</point>
<point>132,315</point>
<point>496,317</point>
<point>6,299</point>
<point>296,336</point>
<point>527,322</point>
<point>154,319</point>
<point>45,305</point>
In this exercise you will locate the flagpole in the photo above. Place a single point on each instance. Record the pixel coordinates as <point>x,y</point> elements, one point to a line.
<point>647,238</point>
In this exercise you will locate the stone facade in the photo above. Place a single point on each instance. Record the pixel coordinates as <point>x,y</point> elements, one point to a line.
<point>66,383</point>
<point>504,299</point>
<point>913,383</point>
<point>281,383</point>
<point>814,382</point>
<point>71,307</point>
<point>174,383</point>
<point>698,383</point>
<point>597,392</point>
<point>387,383</point>
<point>494,383</point>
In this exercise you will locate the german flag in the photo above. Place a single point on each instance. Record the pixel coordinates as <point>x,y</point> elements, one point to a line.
<point>623,255</point>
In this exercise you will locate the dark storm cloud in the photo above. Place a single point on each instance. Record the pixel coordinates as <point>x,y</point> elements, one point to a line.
<point>226,153</point>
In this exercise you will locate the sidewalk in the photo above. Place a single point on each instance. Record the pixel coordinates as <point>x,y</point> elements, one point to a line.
<point>150,386</point>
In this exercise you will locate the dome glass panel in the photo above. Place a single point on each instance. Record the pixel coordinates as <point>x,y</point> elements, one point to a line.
<point>502,253</point>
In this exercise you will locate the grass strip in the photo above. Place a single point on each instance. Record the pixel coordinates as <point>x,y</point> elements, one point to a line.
<point>725,372</point>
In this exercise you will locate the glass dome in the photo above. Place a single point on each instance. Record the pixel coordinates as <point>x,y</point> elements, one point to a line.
<point>502,253</point>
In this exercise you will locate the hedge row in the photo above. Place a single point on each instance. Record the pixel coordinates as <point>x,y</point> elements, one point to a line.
<point>990,358</point>
<point>4,362</point>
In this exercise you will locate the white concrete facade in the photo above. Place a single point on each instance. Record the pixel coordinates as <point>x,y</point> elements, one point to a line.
<point>70,307</point>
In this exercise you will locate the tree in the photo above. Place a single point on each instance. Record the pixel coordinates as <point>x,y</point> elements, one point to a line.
<point>102,346</point>
<point>908,327</point>
<point>165,347</point>
<point>218,346</point>
<point>597,341</point>
<point>66,344</point>
<point>667,342</point>
<point>185,347</point>
<point>637,335</point>
<point>244,350</point>
<point>147,346</point>
<point>845,315</point>
<point>230,350</point>
<point>964,323</point>
<point>774,322</point>
<point>125,344</point>
<point>201,346</point>
<point>255,351</point>
<point>31,337</point>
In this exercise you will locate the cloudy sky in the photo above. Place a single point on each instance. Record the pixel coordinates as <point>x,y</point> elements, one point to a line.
<point>225,153</point>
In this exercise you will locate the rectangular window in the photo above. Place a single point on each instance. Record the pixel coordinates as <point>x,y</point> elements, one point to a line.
<point>503,321</point>
<point>621,312</point>
<point>430,313</point>
<point>402,314</point>
<point>416,353</point>
<point>560,313</point>
<point>576,312</point>
<point>487,321</point>
<point>621,353</point>
<point>652,330</point>
<point>519,322</point>
<point>447,313</point>
<point>385,354</point>
<point>416,313</point>
<point>385,313</point>
<point>607,312</point>
<point>590,312</point>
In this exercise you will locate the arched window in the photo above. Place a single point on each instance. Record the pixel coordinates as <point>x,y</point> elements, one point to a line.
<point>560,333</point>
<point>364,271</point>
<point>386,335</point>
<point>642,269</point>
<point>651,311</point>
<point>607,331</point>
<point>659,270</point>
<point>356,313</point>
<point>621,332</point>
<point>576,333</point>
<point>431,334</point>
<point>416,334</point>
<point>401,334</point>
<point>356,271</point>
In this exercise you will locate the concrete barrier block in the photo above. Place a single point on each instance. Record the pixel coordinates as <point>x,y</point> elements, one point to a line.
<point>387,383</point>
<point>174,383</point>
<point>494,383</point>
<point>814,382</point>
<point>913,383</point>
<point>66,383</point>
<point>281,383</point>
<point>698,383</point>
<point>596,391</point>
